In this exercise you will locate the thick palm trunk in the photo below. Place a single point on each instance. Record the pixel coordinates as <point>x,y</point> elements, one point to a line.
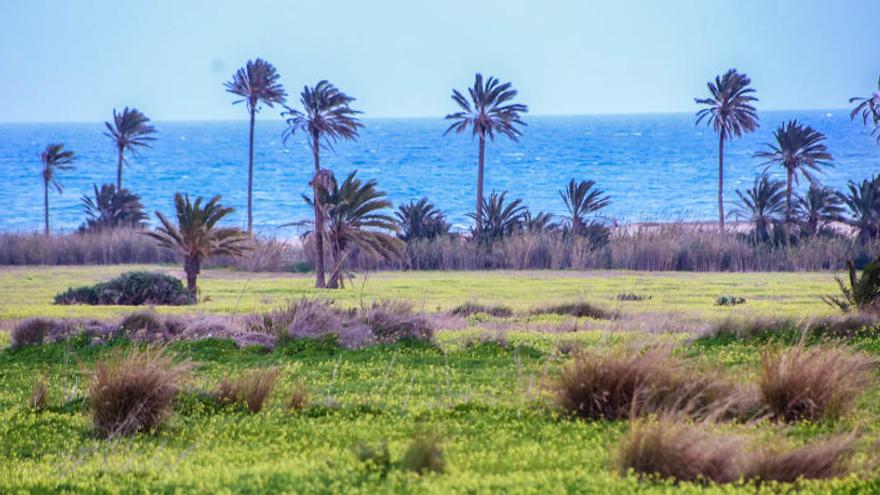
<point>119,159</point>
<point>319,217</point>
<point>192,268</point>
<point>788,215</point>
<point>335,275</point>
<point>46,207</point>
<point>721,181</point>
<point>478,228</point>
<point>250,196</point>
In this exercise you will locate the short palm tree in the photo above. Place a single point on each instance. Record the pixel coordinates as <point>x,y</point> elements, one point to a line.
<point>502,218</point>
<point>490,111</point>
<point>799,149</point>
<point>111,209</point>
<point>421,220</point>
<point>539,222</point>
<point>55,159</point>
<point>869,108</point>
<point>130,131</point>
<point>863,205</point>
<point>581,199</point>
<point>355,216</point>
<point>731,113</point>
<point>326,118</point>
<point>256,82</point>
<point>196,235</point>
<point>817,208</point>
<point>762,204</point>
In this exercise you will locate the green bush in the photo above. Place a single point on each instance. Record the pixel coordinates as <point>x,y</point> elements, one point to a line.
<point>132,289</point>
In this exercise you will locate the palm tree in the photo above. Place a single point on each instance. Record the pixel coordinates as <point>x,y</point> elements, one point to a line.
<point>798,148</point>
<point>502,218</point>
<point>55,159</point>
<point>111,209</point>
<point>130,131</point>
<point>580,200</point>
<point>863,203</point>
<point>421,220</point>
<point>761,204</point>
<point>256,82</point>
<point>869,108</point>
<point>539,222</point>
<point>355,218</point>
<point>730,112</point>
<point>325,119</point>
<point>488,112</point>
<point>818,207</point>
<point>196,235</point>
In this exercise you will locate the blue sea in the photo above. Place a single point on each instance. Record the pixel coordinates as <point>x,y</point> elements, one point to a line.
<point>654,167</point>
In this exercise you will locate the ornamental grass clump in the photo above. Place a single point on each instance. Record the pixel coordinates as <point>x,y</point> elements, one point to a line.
<point>826,459</point>
<point>813,383</point>
<point>134,391</point>
<point>471,308</point>
<point>250,390</point>
<point>581,309</point>
<point>424,455</point>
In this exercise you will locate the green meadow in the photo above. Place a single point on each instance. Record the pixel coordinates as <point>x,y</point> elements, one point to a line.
<point>482,388</point>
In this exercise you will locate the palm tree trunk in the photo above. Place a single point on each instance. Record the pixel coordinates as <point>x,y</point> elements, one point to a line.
<point>46,207</point>
<point>119,168</point>
<point>337,266</point>
<point>479,217</point>
<point>721,181</point>
<point>788,199</point>
<point>319,217</point>
<point>192,268</point>
<point>250,198</point>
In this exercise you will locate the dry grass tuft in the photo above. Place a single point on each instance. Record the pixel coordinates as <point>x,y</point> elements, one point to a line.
<point>821,460</point>
<point>424,455</point>
<point>32,332</point>
<point>813,383</point>
<point>39,397</point>
<point>133,392</point>
<point>472,308</point>
<point>250,390</point>
<point>670,449</point>
<point>581,309</point>
<point>299,398</point>
<point>391,321</point>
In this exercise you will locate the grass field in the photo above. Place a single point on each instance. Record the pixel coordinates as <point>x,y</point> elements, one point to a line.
<point>488,402</point>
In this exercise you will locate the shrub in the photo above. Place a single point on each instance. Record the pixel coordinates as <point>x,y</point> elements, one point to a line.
<point>846,326</point>
<point>812,383</point>
<point>863,293</point>
<point>739,328</point>
<point>144,326</point>
<point>729,301</point>
<point>472,308</point>
<point>378,458</point>
<point>134,392</point>
<point>822,460</point>
<point>251,389</point>
<point>132,289</point>
<point>424,455</point>
<point>580,309</point>
<point>668,449</point>
<point>31,332</point>
<point>39,397</point>
<point>614,386</point>
<point>394,321</point>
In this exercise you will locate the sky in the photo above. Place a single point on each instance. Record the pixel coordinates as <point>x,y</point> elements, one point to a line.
<point>65,60</point>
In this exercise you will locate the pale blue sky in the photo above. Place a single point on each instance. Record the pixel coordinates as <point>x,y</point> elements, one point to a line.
<point>76,60</point>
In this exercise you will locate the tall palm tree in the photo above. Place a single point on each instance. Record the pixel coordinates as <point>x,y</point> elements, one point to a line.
<point>421,220</point>
<point>256,82</point>
<point>730,112</point>
<point>55,159</point>
<point>869,108</point>
<point>581,199</point>
<point>820,206</point>
<point>863,203</point>
<point>798,149</point>
<point>326,118</point>
<point>762,204</point>
<point>502,218</point>
<point>489,112</point>
<point>196,235</point>
<point>130,131</point>
<point>111,209</point>
<point>355,214</point>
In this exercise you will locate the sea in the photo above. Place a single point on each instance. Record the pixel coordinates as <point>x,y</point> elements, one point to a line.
<point>657,167</point>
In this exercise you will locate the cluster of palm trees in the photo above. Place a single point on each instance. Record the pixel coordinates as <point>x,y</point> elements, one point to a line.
<point>801,152</point>
<point>353,213</point>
